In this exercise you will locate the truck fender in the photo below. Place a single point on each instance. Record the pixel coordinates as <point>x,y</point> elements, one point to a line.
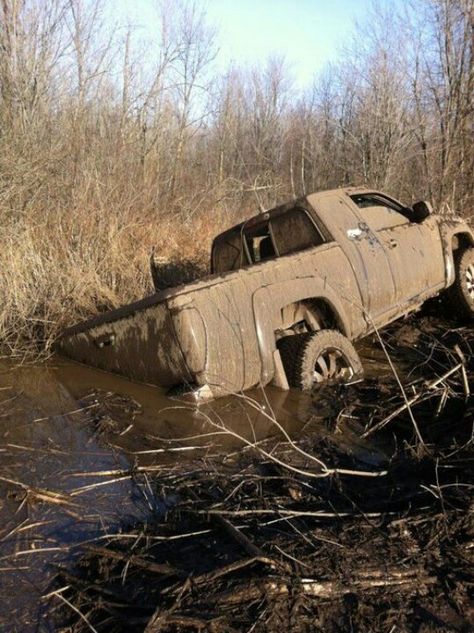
<point>454,232</point>
<point>267,303</point>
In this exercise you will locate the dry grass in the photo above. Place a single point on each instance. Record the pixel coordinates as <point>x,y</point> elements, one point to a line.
<point>64,266</point>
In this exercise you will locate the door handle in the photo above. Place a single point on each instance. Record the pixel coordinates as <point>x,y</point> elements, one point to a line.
<point>106,340</point>
<point>353,234</point>
<point>393,243</point>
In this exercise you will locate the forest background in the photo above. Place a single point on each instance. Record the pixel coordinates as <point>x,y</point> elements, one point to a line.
<point>111,145</point>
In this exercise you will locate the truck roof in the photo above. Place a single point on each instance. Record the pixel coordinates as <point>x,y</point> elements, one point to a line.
<point>303,201</point>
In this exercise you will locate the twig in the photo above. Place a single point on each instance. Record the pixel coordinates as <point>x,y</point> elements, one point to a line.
<point>136,561</point>
<point>237,535</point>
<point>410,402</point>
<point>75,609</point>
<point>397,378</point>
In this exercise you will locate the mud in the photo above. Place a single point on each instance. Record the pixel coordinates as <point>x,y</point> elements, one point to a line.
<point>62,422</point>
<point>154,516</point>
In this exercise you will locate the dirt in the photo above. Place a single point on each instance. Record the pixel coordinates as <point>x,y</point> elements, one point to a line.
<point>362,521</point>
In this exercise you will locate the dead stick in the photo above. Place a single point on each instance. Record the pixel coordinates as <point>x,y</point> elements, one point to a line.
<point>42,494</point>
<point>137,561</point>
<point>408,403</point>
<point>291,513</point>
<point>318,589</point>
<point>236,566</point>
<point>237,535</point>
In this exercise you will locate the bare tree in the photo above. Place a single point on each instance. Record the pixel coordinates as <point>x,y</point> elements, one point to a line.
<point>195,52</point>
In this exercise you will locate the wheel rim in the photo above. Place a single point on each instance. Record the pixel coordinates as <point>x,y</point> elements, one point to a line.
<point>470,281</point>
<point>332,364</point>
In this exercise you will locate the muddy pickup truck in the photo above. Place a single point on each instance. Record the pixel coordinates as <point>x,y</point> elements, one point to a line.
<point>289,290</point>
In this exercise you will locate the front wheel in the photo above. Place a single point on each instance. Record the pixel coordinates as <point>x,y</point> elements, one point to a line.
<point>461,294</point>
<point>317,357</point>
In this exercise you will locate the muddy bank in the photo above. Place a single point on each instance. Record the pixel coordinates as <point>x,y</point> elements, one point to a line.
<point>360,521</point>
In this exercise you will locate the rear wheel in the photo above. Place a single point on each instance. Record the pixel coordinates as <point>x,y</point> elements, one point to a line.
<point>318,357</point>
<point>461,293</point>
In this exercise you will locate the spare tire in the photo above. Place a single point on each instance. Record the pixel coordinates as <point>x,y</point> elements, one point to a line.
<point>316,357</point>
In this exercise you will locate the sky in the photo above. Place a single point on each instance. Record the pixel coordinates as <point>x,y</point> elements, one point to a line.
<point>308,33</point>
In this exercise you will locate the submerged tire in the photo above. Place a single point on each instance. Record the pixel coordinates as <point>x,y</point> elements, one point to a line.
<point>460,295</point>
<point>317,357</point>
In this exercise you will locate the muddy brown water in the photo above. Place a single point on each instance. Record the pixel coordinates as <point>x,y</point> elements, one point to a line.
<point>52,438</point>
<point>70,436</point>
<point>68,432</point>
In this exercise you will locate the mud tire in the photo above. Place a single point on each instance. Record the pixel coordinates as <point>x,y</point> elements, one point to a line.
<point>460,296</point>
<point>301,354</point>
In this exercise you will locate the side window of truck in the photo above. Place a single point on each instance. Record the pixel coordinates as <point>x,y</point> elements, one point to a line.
<point>260,244</point>
<point>228,253</point>
<point>294,231</point>
<point>380,213</point>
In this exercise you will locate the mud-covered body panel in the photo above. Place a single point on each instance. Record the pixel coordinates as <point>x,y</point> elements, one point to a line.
<point>454,234</point>
<point>137,341</point>
<point>240,313</point>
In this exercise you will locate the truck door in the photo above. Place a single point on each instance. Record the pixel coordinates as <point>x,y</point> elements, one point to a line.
<point>365,252</point>
<point>431,246</point>
<point>409,246</point>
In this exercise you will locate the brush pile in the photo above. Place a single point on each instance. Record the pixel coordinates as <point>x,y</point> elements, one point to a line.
<point>365,523</point>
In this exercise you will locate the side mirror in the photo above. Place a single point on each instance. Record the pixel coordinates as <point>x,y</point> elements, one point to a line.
<point>421,211</point>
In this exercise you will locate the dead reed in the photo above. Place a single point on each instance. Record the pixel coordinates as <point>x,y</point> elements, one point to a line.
<point>281,535</point>
<point>63,268</point>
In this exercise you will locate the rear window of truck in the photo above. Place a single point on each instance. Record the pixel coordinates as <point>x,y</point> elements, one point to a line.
<point>294,231</point>
<point>228,253</point>
<point>283,234</point>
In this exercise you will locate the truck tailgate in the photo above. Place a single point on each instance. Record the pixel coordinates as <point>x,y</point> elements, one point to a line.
<point>137,341</point>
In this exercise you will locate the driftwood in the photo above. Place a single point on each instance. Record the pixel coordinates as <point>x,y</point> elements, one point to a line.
<point>136,561</point>
<point>327,589</point>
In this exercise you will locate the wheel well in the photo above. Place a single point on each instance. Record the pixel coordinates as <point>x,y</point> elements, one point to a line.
<point>307,315</point>
<point>461,241</point>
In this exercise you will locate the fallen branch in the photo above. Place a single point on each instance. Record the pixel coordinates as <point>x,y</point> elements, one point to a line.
<point>239,537</point>
<point>41,494</point>
<point>325,589</point>
<point>409,403</point>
